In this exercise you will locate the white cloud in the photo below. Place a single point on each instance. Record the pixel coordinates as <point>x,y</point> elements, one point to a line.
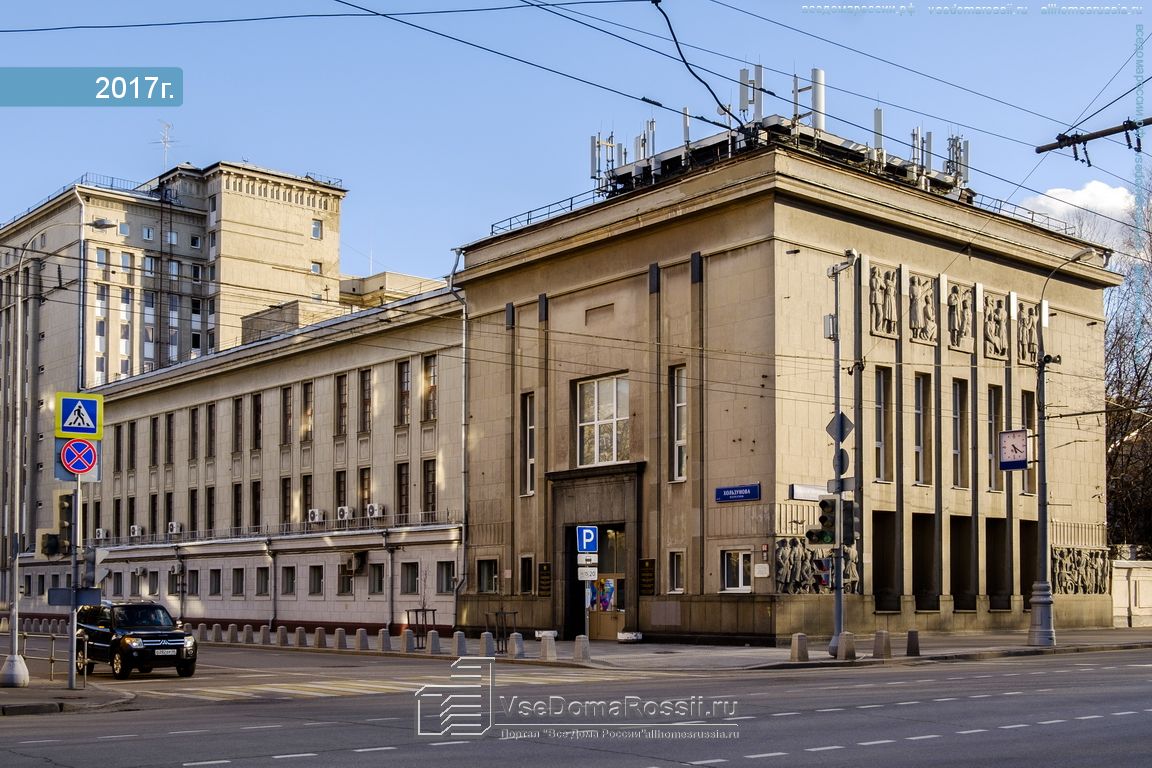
<point>1079,207</point>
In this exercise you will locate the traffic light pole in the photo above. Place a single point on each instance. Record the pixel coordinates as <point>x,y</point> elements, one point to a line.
<point>837,463</point>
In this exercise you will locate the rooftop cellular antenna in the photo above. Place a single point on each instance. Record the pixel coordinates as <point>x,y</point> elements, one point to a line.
<point>752,92</point>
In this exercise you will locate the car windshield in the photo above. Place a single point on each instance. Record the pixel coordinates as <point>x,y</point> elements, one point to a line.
<point>142,616</point>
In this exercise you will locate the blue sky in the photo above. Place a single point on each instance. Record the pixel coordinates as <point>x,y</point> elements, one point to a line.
<point>436,140</point>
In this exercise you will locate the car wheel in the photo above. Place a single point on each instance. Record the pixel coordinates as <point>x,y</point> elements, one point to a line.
<point>186,670</point>
<point>120,667</point>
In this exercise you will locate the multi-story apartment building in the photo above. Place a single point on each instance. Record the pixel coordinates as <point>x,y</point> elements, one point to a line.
<point>308,479</point>
<point>656,365</point>
<point>108,279</point>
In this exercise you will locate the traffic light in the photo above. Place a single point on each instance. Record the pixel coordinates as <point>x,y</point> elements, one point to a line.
<point>826,533</point>
<point>823,573</point>
<point>50,544</point>
<point>849,522</point>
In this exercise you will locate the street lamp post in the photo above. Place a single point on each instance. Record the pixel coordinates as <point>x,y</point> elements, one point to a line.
<point>1041,632</point>
<point>14,672</point>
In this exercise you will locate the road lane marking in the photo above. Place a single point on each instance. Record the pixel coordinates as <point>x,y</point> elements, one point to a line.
<point>208,762</point>
<point>1090,717</point>
<point>784,714</point>
<point>298,754</point>
<point>766,754</point>
<point>1123,713</point>
<point>921,738</point>
<point>751,717</point>
<point>874,743</point>
<point>822,749</point>
<point>373,749</point>
<point>121,736</point>
<point>974,730</point>
<point>1009,727</point>
<point>831,709</point>
<point>713,761</point>
<point>447,743</point>
<point>869,706</point>
<point>39,741</point>
<point>906,703</point>
<point>950,698</point>
<point>259,727</point>
<point>183,733</point>
<point>981,696</point>
<point>1050,722</point>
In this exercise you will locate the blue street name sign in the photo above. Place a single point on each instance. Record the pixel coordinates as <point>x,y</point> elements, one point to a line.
<point>738,493</point>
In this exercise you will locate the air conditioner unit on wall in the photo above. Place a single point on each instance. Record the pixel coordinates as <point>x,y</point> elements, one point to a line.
<point>315,515</point>
<point>175,527</point>
<point>374,510</point>
<point>345,513</point>
<point>101,534</point>
<point>135,531</point>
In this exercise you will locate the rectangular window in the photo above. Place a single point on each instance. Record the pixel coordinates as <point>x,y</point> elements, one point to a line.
<point>430,384</point>
<point>317,229</point>
<point>995,427</point>
<point>306,492</point>
<point>527,570</point>
<point>237,582</point>
<point>736,570</point>
<point>210,510</point>
<point>287,579</point>
<point>316,580</point>
<point>285,501</point>
<point>1028,422</point>
<point>602,421</point>
<point>678,401</point>
<point>214,582</point>
<point>341,420</point>
<point>403,392</point>
<point>308,407</point>
<point>237,506</point>
<point>193,509</point>
<point>409,578</point>
<point>403,488</point>
<point>376,579</point>
<point>676,571</point>
<point>148,233</point>
<point>153,583</point>
<point>487,578</point>
<point>149,266</point>
<point>193,433</point>
<point>255,507</point>
<point>131,445</point>
<point>257,422</point>
<point>884,422</point>
<point>210,434</point>
<point>445,576</point>
<point>128,267</point>
<point>960,433</point>
<point>172,238</point>
<point>286,416</point>
<point>169,437</point>
<point>125,229</point>
<point>133,585</point>
<point>364,488</point>
<point>528,443</point>
<point>193,588</point>
<point>262,580</point>
<point>365,422</point>
<point>344,580</point>
<point>428,488</point>
<point>315,268</point>
<point>237,424</point>
<point>194,241</point>
<point>340,481</point>
<point>922,429</point>
<point>153,441</point>
<point>118,448</point>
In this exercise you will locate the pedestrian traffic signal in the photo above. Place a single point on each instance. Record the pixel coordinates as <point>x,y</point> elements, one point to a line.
<point>823,573</point>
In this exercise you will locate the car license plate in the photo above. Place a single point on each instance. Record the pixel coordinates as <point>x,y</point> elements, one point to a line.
<point>165,651</point>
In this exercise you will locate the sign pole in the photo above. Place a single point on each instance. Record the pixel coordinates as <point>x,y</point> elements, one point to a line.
<point>74,541</point>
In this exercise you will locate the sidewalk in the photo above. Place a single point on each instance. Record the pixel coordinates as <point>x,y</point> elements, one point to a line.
<point>44,697</point>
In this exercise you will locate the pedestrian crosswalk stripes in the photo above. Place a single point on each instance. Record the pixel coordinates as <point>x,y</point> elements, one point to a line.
<point>315,688</point>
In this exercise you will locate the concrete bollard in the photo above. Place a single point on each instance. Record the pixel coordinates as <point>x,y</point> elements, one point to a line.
<point>548,648</point>
<point>35,626</point>
<point>384,641</point>
<point>409,644</point>
<point>301,637</point>
<point>459,644</point>
<point>361,639</point>
<point>913,642</point>
<point>487,644</point>
<point>320,638</point>
<point>202,632</point>
<point>580,650</point>
<point>846,647</point>
<point>233,633</point>
<point>433,642</point>
<point>340,642</point>
<point>217,633</point>
<point>282,636</point>
<point>799,647</point>
<point>265,634</point>
<point>882,645</point>
<point>246,638</point>
<point>516,645</point>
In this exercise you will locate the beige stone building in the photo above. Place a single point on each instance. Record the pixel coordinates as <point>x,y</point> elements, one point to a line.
<point>656,365</point>
<point>311,479</point>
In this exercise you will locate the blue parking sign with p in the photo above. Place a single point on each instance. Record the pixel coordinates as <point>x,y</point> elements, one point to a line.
<point>586,540</point>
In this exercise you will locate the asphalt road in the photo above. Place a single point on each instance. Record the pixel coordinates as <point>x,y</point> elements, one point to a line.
<point>260,708</point>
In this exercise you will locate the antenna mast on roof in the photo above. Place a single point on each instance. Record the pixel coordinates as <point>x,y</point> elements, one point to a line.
<point>165,140</point>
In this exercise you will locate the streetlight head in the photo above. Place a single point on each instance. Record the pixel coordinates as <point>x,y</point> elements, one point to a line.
<point>101,224</point>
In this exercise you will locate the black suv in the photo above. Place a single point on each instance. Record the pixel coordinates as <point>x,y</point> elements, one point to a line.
<point>134,636</point>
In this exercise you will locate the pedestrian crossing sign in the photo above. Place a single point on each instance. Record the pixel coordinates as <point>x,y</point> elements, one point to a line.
<point>79,415</point>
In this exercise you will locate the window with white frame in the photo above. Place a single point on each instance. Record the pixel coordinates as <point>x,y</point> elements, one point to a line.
<point>148,233</point>
<point>445,576</point>
<point>679,431</point>
<point>528,443</point>
<point>995,427</point>
<point>676,571</point>
<point>922,429</point>
<point>736,570</point>
<point>883,426</point>
<point>487,580</point>
<point>602,421</point>
<point>1028,413</point>
<point>960,433</point>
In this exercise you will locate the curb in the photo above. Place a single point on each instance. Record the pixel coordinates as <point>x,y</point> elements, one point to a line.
<point>56,707</point>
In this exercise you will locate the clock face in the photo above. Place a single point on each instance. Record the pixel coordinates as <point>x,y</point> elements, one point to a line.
<point>1014,449</point>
